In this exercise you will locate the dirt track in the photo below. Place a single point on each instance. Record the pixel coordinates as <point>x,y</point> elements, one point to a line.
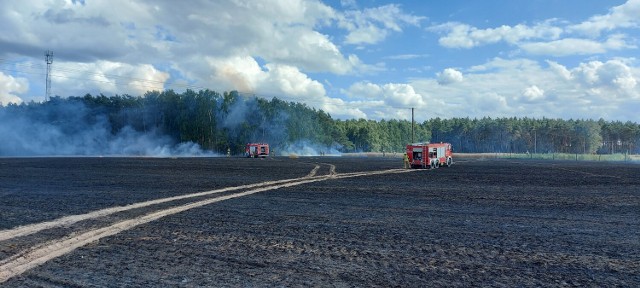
<point>501,223</point>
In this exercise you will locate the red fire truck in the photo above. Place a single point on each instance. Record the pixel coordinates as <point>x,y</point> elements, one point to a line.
<point>255,150</point>
<point>430,155</point>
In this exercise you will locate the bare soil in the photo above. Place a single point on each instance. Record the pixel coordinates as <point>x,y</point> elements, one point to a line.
<point>479,223</point>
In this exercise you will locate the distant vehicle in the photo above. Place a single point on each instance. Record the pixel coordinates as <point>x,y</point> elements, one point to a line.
<point>430,155</point>
<point>255,150</point>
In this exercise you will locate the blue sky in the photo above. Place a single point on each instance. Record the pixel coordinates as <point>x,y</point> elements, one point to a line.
<point>353,59</point>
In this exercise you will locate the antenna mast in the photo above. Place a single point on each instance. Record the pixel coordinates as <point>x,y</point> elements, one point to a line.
<point>48,57</point>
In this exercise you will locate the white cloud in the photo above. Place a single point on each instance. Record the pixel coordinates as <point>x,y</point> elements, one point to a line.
<point>10,87</point>
<point>224,43</point>
<point>373,25</point>
<point>281,32</point>
<point>613,74</point>
<point>285,82</point>
<point>572,46</point>
<point>264,47</point>
<point>550,37</point>
<point>290,81</point>
<point>406,56</point>
<point>340,109</point>
<point>146,77</point>
<point>459,35</point>
<point>365,90</point>
<point>150,34</point>
<point>449,76</point>
<point>393,94</point>
<point>245,74</point>
<point>533,93</point>
<point>514,65</point>
<point>592,89</point>
<point>282,48</point>
<point>310,51</point>
<point>145,31</point>
<point>240,73</point>
<point>623,16</point>
<point>560,70</point>
<point>487,101</point>
<point>106,77</point>
<point>349,4</point>
<point>402,95</point>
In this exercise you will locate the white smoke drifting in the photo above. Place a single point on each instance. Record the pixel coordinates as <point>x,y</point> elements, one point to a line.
<point>307,148</point>
<point>67,128</point>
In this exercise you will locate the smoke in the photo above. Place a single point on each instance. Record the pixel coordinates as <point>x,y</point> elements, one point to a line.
<point>239,112</point>
<point>307,148</point>
<point>244,121</point>
<point>158,125</point>
<point>63,128</point>
<point>131,142</point>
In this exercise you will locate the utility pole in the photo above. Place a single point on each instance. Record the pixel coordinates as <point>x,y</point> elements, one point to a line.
<point>412,129</point>
<point>535,141</point>
<point>48,57</point>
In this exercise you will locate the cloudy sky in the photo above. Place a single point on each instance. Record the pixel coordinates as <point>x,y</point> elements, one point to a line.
<point>370,59</point>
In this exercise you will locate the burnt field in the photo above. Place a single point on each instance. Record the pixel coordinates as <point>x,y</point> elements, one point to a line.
<point>338,221</point>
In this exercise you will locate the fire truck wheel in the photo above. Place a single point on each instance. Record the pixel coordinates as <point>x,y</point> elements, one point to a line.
<point>449,162</point>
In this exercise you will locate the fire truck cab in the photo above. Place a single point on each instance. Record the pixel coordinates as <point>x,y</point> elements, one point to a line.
<point>430,155</point>
<point>255,150</point>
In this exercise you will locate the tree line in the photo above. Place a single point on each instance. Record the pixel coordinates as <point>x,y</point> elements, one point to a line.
<point>226,122</point>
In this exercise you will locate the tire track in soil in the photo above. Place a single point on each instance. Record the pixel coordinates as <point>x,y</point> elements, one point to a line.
<point>332,170</point>
<point>39,254</point>
<point>313,171</point>
<point>69,220</point>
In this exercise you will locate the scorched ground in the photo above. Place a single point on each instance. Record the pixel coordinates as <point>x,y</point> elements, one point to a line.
<point>477,223</point>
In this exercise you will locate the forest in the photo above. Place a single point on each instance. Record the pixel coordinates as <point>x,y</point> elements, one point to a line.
<point>209,122</point>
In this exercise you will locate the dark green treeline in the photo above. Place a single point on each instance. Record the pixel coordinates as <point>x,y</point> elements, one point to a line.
<point>218,122</point>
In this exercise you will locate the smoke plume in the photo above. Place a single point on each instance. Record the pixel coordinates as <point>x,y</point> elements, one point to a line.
<point>64,128</point>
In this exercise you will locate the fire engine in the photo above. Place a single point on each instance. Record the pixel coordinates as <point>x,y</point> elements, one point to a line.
<point>430,155</point>
<point>255,150</point>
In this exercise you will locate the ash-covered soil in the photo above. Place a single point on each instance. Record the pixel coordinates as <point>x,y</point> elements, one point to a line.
<point>478,223</point>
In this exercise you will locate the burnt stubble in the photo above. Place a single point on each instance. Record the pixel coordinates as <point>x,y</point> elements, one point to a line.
<point>478,223</point>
